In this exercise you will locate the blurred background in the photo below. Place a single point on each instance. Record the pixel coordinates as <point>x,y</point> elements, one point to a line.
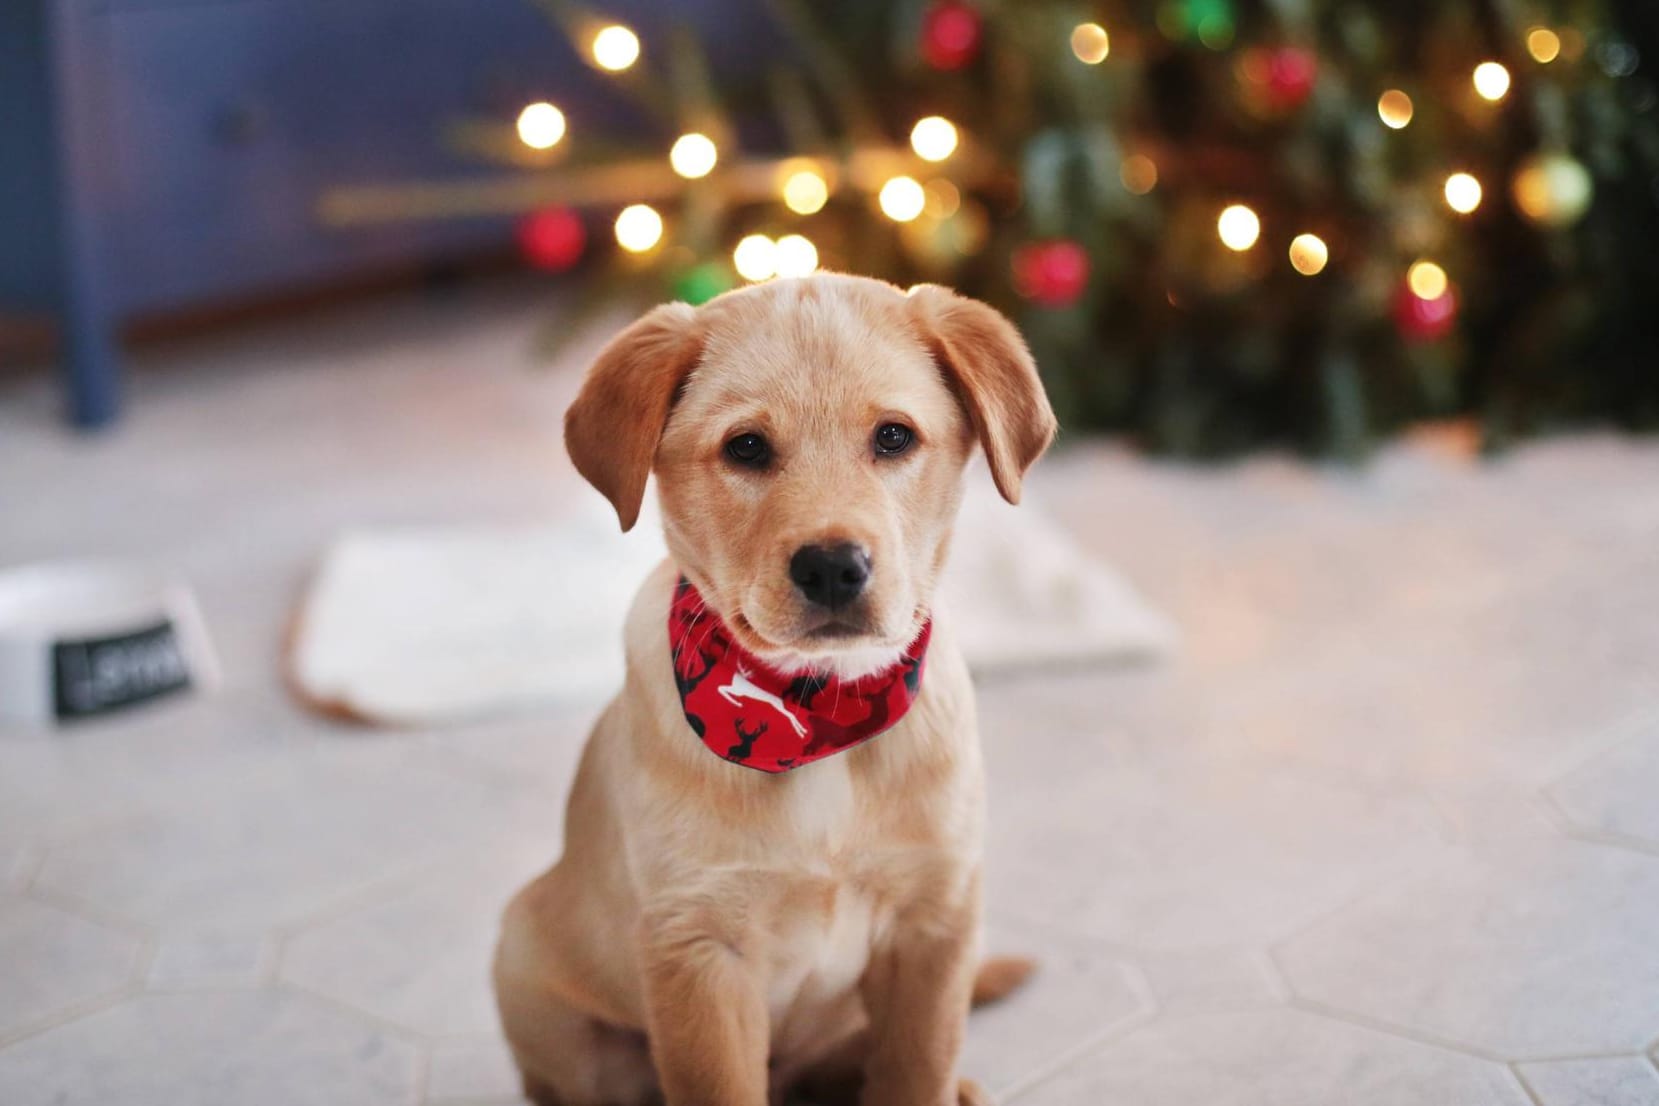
<point>1319,674</point>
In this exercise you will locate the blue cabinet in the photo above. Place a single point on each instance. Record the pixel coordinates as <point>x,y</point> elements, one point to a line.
<point>157,154</point>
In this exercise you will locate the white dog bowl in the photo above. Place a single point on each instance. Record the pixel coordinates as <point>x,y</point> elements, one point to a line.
<point>85,638</point>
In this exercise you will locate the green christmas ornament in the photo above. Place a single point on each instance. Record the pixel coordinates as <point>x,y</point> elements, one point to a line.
<point>701,283</point>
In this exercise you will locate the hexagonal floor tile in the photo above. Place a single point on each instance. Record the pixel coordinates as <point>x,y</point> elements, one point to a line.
<point>472,1070</point>
<point>1273,1058</point>
<point>1078,992</point>
<point>421,958</point>
<point>1614,792</point>
<point>242,853</point>
<point>1208,980</point>
<point>1561,669</point>
<point>1529,949</point>
<point>251,1048</point>
<point>1605,1081</point>
<point>52,962</point>
<point>1180,855</point>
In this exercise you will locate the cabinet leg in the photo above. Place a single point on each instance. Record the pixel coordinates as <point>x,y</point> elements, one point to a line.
<point>91,366</point>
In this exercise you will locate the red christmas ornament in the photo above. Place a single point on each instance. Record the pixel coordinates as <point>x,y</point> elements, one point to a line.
<point>1422,320</point>
<point>1291,73</point>
<point>950,34</point>
<point>552,239</point>
<point>1052,273</point>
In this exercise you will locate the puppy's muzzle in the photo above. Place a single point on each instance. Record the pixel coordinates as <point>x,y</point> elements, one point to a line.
<point>830,576</point>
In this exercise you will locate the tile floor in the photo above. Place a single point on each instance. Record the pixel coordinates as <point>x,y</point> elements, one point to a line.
<point>1387,832</point>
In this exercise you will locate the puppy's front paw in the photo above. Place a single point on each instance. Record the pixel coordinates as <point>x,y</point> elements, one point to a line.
<point>969,1093</point>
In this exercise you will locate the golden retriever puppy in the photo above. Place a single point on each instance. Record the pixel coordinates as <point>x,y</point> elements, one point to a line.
<point>771,871</point>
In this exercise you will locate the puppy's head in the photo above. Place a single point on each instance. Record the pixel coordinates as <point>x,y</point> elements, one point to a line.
<point>808,438</point>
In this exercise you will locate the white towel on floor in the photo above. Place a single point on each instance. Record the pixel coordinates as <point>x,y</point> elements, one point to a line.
<point>423,625</point>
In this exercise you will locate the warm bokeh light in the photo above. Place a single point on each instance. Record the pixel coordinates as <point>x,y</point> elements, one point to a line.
<point>933,138</point>
<point>693,155</point>
<point>1308,254</point>
<point>944,199</point>
<point>1091,43</point>
<point>1543,44</point>
<point>1462,193</point>
<point>541,125</point>
<point>1139,174</point>
<point>615,48</point>
<point>1394,108</point>
<point>1239,228</point>
<point>756,257</point>
<point>1491,81</point>
<point>1426,280</point>
<point>638,228</point>
<point>902,199</point>
<point>1553,189</point>
<point>795,255</point>
<point>805,192</point>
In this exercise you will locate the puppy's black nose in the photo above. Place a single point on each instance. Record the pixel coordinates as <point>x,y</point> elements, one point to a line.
<point>830,575</point>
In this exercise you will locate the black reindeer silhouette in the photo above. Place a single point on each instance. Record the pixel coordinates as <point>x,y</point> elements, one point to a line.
<point>745,748</point>
<point>804,689</point>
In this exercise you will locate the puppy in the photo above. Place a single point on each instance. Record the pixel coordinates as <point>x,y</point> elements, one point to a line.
<point>771,873</point>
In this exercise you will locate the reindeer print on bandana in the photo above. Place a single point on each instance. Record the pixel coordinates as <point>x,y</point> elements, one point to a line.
<point>751,715</point>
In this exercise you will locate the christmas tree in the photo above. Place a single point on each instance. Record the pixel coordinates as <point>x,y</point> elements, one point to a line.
<point>1221,224</point>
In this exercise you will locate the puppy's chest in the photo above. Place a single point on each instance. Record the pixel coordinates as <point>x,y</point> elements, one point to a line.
<point>820,944</point>
<point>837,877</point>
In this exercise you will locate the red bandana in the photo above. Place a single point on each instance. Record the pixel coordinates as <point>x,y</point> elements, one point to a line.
<point>752,715</point>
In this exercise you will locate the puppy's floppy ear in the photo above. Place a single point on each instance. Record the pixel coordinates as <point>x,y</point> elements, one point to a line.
<point>612,428</point>
<point>986,359</point>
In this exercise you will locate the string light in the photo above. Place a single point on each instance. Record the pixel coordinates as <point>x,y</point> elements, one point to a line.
<point>1491,81</point>
<point>1426,280</point>
<point>1308,254</point>
<point>1543,44</point>
<point>1395,109</point>
<point>796,256</point>
<point>1239,228</point>
<point>541,125</point>
<point>1090,42</point>
<point>693,155</point>
<point>805,192</point>
<point>615,48</point>
<point>902,199</point>
<point>1462,193</point>
<point>933,138</point>
<point>756,257</point>
<point>1139,174</point>
<point>638,228</point>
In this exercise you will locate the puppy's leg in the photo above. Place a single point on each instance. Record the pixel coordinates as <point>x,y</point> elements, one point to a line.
<point>706,1016</point>
<point>917,991</point>
<point>566,1055</point>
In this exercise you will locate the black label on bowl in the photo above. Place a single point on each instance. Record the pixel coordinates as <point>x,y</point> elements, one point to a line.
<point>95,675</point>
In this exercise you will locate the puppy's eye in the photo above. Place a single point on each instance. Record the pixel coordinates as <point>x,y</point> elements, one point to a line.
<point>749,450</point>
<point>893,438</point>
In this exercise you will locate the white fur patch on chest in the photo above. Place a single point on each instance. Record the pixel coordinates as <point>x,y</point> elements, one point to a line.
<point>821,805</point>
<point>816,967</point>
